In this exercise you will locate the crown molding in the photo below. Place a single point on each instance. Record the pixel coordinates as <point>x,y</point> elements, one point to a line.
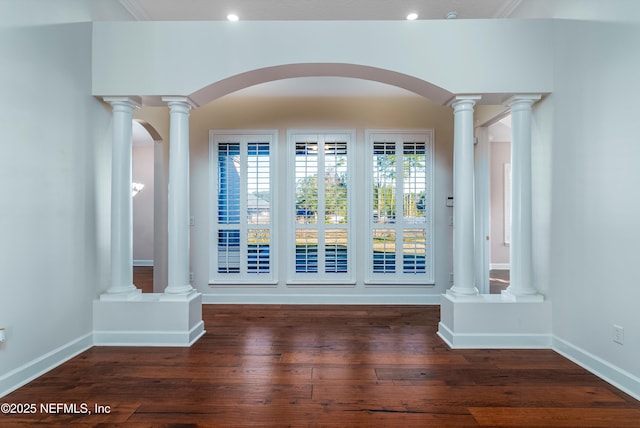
<point>507,9</point>
<point>136,10</point>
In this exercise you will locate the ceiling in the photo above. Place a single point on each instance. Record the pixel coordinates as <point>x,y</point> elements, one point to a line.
<point>276,10</point>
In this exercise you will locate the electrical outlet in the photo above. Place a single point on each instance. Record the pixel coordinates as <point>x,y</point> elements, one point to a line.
<point>192,221</point>
<point>450,276</point>
<point>618,334</point>
<point>191,277</point>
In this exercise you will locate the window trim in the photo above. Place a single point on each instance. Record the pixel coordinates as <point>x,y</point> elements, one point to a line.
<point>319,278</point>
<point>399,278</point>
<point>261,279</point>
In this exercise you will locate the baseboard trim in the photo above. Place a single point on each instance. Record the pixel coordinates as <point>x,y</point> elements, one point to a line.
<point>149,338</point>
<point>616,376</point>
<point>500,266</point>
<point>143,263</point>
<point>33,369</point>
<point>493,340</point>
<point>318,299</point>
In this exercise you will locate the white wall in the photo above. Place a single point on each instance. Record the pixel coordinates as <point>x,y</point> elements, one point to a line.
<point>17,13</point>
<point>446,53</point>
<point>143,203</point>
<point>500,154</point>
<point>593,10</point>
<point>595,202</point>
<point>54,190</point>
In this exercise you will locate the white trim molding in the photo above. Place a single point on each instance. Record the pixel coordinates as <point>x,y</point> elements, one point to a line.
<point>135,9</point>
<point>319,299</point>
<point>149,338</point>
<point>499,266</point>
<point>493,340</point>
<point>606,371</point>
<point>143,262</point>
<point>41,365</point>
<point>507,9</point>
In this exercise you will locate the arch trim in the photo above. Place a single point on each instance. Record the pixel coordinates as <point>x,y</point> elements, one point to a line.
<point>279,72</point>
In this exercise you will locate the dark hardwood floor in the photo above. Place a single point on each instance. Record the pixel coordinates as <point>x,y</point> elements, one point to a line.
<point>338,366</point>
<point>498,280</point>
<point>143,278</point>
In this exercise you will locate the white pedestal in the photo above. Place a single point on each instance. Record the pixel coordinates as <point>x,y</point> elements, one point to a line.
<point>488,321</point>
<point>148,321</point>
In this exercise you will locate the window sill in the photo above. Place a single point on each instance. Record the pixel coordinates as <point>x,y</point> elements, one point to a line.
<point>386,283</point>
<point>268,284</point>
<point>312,283</point>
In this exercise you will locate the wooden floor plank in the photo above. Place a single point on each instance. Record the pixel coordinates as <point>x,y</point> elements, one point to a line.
<point>553,417</point>
<point>333,366</point>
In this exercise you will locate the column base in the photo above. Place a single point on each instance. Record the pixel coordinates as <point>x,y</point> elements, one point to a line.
<point>178,297</point>
<point>148,321</point>
<point>132,293</point>
<point>465,294</point>
<point>509,296</point>
<point>487,321</point>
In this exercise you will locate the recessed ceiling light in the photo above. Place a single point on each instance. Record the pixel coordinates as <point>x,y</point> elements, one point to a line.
<point>412,16</point>
<point>233,17</point>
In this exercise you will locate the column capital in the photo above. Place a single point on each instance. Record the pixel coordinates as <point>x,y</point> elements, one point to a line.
<point>184,102</point>
<point>130,102</point>
<point>460,101</point>
<point>524,100</point>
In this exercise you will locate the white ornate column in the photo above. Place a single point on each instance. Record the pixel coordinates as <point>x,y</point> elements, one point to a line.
<point>463,198</point>
<point>178,204</point>
<point>121,287</point>
<point>521,286</point>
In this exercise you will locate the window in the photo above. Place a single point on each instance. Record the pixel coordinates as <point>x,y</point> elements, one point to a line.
<point>320,241</point>
<point>400,197</point>
<point>242,208</point>
<point>391,180</point>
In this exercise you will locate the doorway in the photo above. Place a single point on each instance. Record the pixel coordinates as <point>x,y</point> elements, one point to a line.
<point>500,204</point>
<point>149,208</point>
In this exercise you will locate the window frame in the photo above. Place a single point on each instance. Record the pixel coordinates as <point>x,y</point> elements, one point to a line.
<point>400,136</point>
<point>243,277</point>
<point>320,278</point>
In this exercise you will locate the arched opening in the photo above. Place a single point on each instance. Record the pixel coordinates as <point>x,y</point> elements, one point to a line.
<point>405,103</point>
<point>225,105</point>
<point>268,74</point>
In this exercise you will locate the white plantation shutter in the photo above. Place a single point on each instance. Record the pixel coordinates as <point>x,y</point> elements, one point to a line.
<point>400,201</point>
<point>242,208</point>
<point>320,204</point>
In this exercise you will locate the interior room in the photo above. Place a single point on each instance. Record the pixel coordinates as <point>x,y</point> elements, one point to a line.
<point>468,258</point>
